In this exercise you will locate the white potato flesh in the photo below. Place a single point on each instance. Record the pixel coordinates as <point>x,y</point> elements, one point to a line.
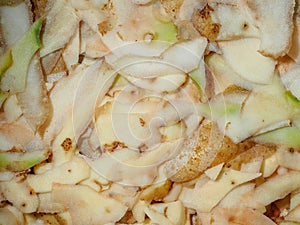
<point>141,2</point>
<point>95,181</point>
<point>92,17</point>
<point>71,51</point>
<point>151,66</point>
<point>104,126</point>
<point>147,120</point>
<point>176,213</point>
<point>115,170</point>
<point>53,78</point>
<point>185,56</point>
<point>206,197</point>
<point>12,109</point>
<point>226,2</point>
<point>273,43</point>
<point>17,17</point>
<point>92,45</point>
<point>92,88</point>
<point>222,216</point>
<point>243,56</point>
<point>17,134</point>
<point>132,25</point>
<point>173,132</point>
<point>6,176</point>
<point>59,28</point>
<point>235,23</point>
<point>294,52</point>
<point>214,172</point>
<point>126,180</point>
<point>224,74</point>
<point>181,57</point>
<point>294,214</point>
<point>295,199</point>
<point>160,84</point>
<point>67,173</point>
<point>78,4</point>
<point>147,115</point>
<point>66,217</point>
<point>142,52</point>
<point>157,217</point>
<point>20,194</point>
<point>157,155</point>
<point>276,187</point>
<point>46,204</point>
<point>62,153</point>
<point>156,123</point>
<point>254,166</point>
<point>34,99</point>
<point>255,114</point>
<point>132,110</point>
<point>7,217</point>
<point>138,211</point>
<point>288,158</point>
<point>270,165</point>
<point>17,213</point>
<point>87,206</point>
<point>127,195</point>
<point>204,218</point>
<point>234,199</point>
<point>62,96</point>
<point>291,79</point>
<point>173,193</point>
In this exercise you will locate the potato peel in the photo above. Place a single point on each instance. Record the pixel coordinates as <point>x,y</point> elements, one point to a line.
<point>92,204</point>
<point>206,197</point>
<point>273,43</point>
<point>240,216</point>
<point>157,110</point>
<point>276,187</point>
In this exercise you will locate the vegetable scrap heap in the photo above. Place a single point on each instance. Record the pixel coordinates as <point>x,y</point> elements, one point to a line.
<point>170,112</point>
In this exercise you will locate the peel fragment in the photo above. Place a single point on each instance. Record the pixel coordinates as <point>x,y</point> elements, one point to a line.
<point>276,187</point>
<point>20,194</point>
<point>273,43</point>
<point>15,77</point>
<point>14,161</point>
<point>210,194</point>
<point>243,57</point>
<point>53,40</point>
<point>230,97</point>
<point>92,204</point>
<point>68,173</point>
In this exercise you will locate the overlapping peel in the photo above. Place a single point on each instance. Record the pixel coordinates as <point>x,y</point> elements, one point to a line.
<point>184,111</point>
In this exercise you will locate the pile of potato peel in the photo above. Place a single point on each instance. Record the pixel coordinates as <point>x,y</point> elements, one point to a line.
<point>173,112</point>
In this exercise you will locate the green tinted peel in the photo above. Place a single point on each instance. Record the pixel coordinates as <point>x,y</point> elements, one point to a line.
<point>14,79</point>
<point>5,62</point>
<point>286,136</point>
<point>166,32</point>
<point>16,161</point>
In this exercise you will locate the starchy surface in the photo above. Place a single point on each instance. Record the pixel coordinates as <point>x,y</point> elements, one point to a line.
<point>169,112</point>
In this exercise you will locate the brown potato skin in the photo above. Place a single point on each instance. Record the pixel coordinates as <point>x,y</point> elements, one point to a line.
<point>250,154</point>
<point>157,193</point>
<point>212,148</point>
<point>39,8</point>
<point>171,7</point>
<point>203,22</point>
